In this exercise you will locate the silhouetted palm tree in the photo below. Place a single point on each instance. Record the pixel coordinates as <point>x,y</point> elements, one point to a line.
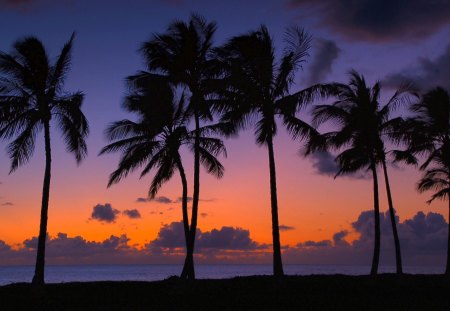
<point>155,139</point>
<point>429,135</point>
<point>183,54</point>
<point>255,93</point>
<point>364,124</point>
<point>33,95</point>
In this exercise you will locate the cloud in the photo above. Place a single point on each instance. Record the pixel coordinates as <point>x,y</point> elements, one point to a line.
<point>142,200</point>
<point>104,213</point>
<point>378,20</point>
<point>7,204</point>
<point>423,239</point>
<point>180,199</point>
<point>204,215</point>
<point>27,6</point>
<point>426,73</point>
<point>132,213</point>
<point>326,53</point>
<point>324,164</point>
<point>161,199</point>
<point>170,236</point>
<point>286,228</point>
<point>226,238</point>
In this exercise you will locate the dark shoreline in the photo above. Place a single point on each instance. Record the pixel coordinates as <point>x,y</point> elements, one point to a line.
<point>317,292</point>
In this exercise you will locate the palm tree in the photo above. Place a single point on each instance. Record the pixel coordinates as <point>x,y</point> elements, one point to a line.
<point>363,125</point>
<point>255,93</point>
<point>429,135</point>
<point>184,55</point>
<point>154,141</point>
<point>33,95</point>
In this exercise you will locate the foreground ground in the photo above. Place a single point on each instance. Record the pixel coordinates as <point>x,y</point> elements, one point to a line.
<point>330,292</point>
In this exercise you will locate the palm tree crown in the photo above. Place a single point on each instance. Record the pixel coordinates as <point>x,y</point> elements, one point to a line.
<point>363,125</point>
<point>183,54</point>
<point>428,134</point>
<point>255,92</point>
<point>31,96</point>
<point>155,139</point>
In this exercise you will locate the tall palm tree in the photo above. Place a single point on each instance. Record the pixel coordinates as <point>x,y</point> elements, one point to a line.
<point>184,55</point>
<point>255,93</point>
<point>363,125</point>
<point>32,97</point>
<point>155,139</point>
<point>429,135</point>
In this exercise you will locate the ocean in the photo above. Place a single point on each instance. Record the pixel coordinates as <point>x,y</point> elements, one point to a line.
<point>61,274</point>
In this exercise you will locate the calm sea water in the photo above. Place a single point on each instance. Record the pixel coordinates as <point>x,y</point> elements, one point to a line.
<point>59,274</point>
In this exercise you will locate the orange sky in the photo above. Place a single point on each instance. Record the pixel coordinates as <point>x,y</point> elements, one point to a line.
<point>316,206</point>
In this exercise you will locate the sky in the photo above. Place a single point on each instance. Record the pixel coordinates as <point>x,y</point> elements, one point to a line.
<point>322,219</point>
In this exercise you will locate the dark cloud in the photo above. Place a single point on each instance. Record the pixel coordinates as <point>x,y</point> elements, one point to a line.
<point>15,3</point>
<point>378,20</point>
<point>323,243</point>
<point>142,200</point>
<point>162,199</point>
<point>28,6</point>
<point>227,238</point>
<point>286,228</point>
<point>324,164</point>
<point>423,241</point>
<point>170,236</point>
<point>7,204</point>
<point>326,53</point>
<point>104,213</point>
<point>132,213</point>
<point>425,74</point>
<point>204,215</point>
<point>180,199</point>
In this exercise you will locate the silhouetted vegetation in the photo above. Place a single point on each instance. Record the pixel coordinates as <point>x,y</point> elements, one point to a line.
<point>255,93</point>
<point>154,141</point>
<point>428,135</point>
<point>190,93</point>
<point>33,96</point>
<point>326,292</point>
<point>363,125</point>
<point>183,54</point>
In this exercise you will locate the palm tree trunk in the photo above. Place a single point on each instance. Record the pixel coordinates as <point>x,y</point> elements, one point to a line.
<point>184,209</point>
<point>447,267</point>
<point>38,278</point>
<point>376,208</point>
<point>398,255</point>
<point>189,261</point>
<point>277,263</point>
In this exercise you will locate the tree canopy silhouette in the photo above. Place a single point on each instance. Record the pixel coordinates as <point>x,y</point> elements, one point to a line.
<point>184,55</point>
<point>428,135</point>
<point>255,92</point>
<point>154,140</point>
<point>32,96</point>
<point>363,125</point>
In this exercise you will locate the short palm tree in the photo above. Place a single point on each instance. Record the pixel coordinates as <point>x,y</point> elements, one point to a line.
<point>429,135</point>
<point>184,55</point>
<point>155,139</point>
<point>255,93</point>
<point>32,97</point>
<point>364,124</point>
